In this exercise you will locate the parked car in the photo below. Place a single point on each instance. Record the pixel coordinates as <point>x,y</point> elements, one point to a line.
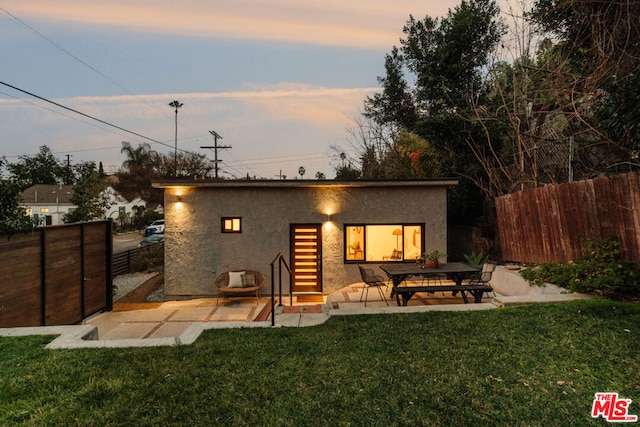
<point>151,239</point>
<point>156,227</point>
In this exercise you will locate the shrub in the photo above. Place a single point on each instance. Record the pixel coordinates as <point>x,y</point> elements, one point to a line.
<point>601,270</point>
<point>151,260</point>
<point>476,259</point>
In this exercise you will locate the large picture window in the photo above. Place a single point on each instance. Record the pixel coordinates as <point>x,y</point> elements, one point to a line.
<point>383,242</point>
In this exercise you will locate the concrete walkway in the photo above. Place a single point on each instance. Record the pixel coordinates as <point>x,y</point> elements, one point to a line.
<point>182,322</point>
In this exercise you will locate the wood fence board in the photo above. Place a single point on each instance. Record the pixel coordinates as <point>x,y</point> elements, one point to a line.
<point>629,237</point>
<point>65,251</point>
<point>569,220</point>
<point>21,309</point>
<point>95,269</point>
<point>547,224</point>
<point>602,192</point>
<point>634,209</point>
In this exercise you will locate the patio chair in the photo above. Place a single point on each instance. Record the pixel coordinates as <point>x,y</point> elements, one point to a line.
<point>370,279</point>
<point>239,283</point>
<point>485,276</point>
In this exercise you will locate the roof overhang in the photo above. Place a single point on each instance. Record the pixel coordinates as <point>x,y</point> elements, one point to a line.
<point>433,182</point>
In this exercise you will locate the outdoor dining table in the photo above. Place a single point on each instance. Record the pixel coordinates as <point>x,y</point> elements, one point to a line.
<point>454,271</point>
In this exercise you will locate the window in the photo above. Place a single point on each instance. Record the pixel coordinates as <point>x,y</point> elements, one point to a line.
<point>44,210</point>
<point>384,242</point>
<point>231,225</point>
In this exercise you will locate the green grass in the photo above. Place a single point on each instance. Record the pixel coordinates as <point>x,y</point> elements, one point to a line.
<point>535,365</point>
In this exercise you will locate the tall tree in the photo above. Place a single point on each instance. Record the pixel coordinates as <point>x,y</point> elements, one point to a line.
<point>595,64</point>
<point>137,157</point>
<point>447,58</point>
<point>143,165</point>
<point>41,168</point>
<point>90,198</point>
<point>395,105</point>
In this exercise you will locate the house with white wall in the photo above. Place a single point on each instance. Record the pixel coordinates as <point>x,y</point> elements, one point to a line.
<point>324,229</point>
<point>50,203</point>
<point>119,206</point>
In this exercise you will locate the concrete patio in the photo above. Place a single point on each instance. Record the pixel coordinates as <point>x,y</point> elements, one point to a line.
<point>181,322</point>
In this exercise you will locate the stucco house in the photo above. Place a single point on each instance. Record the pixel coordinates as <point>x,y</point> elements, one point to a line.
<point>324,229</point>
<point>49,203</point>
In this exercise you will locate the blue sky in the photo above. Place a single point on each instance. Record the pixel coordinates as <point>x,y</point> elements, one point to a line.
<point>280,80</point>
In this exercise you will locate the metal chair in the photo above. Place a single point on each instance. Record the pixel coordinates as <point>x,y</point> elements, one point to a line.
<point>370,279</point>
<point>485,276</point>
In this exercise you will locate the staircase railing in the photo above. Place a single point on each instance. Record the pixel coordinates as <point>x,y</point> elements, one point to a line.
<point>280,261</point>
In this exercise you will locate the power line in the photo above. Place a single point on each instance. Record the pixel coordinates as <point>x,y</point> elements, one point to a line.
<point>56,45</point>
<point>85,115</point>
<point>76,58</point>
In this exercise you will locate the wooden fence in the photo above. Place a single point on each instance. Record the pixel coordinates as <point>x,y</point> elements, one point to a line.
<point>123,262</point>
<point>547,224</point>
<point>56,275</point>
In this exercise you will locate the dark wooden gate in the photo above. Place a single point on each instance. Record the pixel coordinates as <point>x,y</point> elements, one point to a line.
<point>56,275</point>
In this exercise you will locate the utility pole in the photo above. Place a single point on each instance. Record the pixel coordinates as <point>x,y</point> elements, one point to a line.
<point>68,178</point>
<point>215,148</point>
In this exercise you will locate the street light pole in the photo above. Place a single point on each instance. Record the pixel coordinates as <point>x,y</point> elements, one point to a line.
<point>176,104</point>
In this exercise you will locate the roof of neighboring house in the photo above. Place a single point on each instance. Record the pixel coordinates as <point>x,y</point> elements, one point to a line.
<point>299,183</point>
<point>46,194</point>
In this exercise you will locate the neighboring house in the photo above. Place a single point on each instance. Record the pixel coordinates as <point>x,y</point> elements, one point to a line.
<point>121,207</point>
<point>323,229</point>
<point>50,203</point>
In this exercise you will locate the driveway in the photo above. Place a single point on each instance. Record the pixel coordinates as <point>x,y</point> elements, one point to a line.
<point>125,242</point>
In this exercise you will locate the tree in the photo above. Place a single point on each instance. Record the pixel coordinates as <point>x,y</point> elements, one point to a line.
<point>447,59</point>
<point>90,198</point>
<point>345,171</point>
<point>395,105</point>
<point>83,170</point>
<point>595,64</point>
<point>138,158</point>
<point>13,217</point>
<point>301,171</point>
<point>143,165</point>
<point>42,168</point>
<point>185,165</point>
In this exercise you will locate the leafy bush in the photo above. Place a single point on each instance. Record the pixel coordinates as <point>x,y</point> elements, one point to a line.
<point>152,260</point>
<point>476,259</point>
<point>601,270</point>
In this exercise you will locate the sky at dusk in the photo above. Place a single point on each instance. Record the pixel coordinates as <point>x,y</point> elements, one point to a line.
<point>279,80</point>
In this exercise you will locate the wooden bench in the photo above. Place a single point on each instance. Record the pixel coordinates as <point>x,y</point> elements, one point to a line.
<point>222,284</point>
<point>477,290</point>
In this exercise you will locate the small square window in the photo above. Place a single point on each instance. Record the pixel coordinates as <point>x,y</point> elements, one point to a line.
<point>231,225</point>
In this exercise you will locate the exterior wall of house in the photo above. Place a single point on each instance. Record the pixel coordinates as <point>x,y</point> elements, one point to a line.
<point>56,212</point>
<point>196,250</point>
<point>54,201</point>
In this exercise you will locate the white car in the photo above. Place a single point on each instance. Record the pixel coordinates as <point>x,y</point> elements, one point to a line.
<point>158,227</point>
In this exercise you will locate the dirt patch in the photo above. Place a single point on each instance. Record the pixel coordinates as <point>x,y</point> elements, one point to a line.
<point>140,294</point>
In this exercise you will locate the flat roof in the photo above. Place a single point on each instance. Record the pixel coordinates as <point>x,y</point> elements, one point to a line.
<point>299,183</point>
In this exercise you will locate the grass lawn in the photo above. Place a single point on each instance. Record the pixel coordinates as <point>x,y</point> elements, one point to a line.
<point>534,365</point>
